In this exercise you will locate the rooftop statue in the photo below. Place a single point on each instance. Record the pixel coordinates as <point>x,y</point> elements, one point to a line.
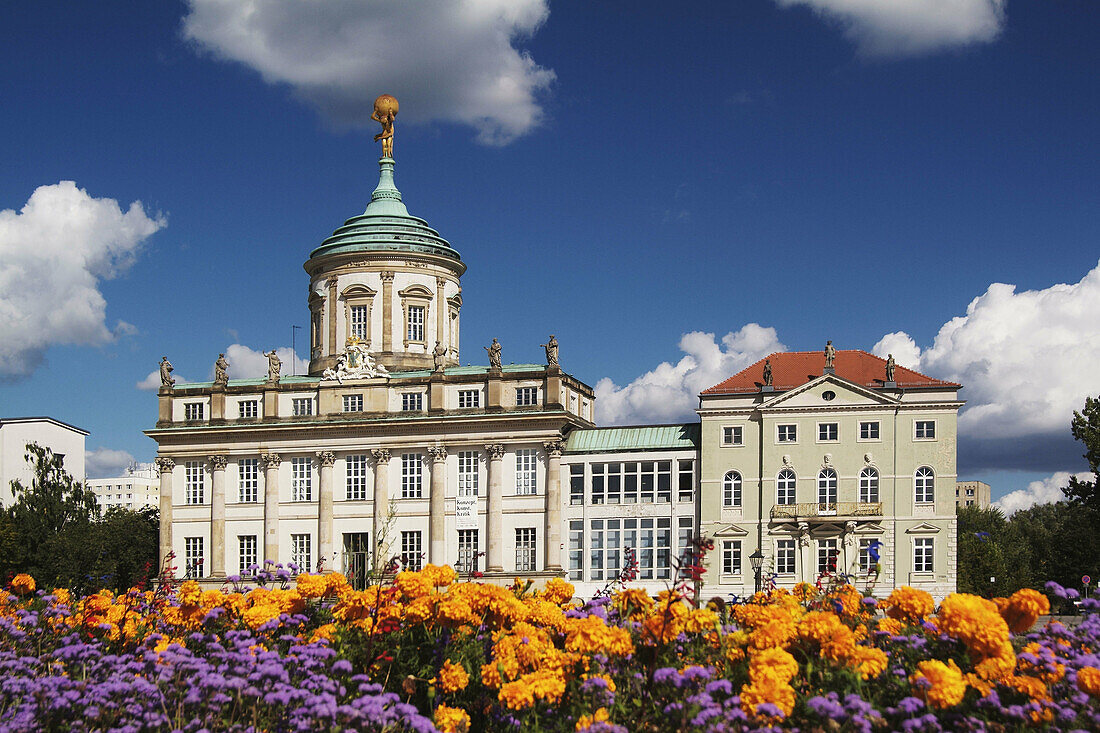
<point>890,366</point>
<point>494,350</point>
<point>274,365</point>
<point>385,111</point>
<point>551,347</point>
<point>830,354</point>
<point>221,370</point>
<point>166,379</point>
<point>767,372</point>
<point>439,354</point>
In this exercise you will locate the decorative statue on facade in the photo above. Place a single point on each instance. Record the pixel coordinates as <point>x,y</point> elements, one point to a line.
<point>166,379</point>
<point>551,352</point>
<point>274,365</point>
<point>355,363</point>
<point>221,371</point>
<point>439,353</point>
<point>494,350</point>
<point>890,366</point>
<point>830,354</point>
<point>385,111</point>
<point>767,372</point>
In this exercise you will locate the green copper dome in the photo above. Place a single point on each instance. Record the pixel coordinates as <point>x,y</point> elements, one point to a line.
<point>386,226</point>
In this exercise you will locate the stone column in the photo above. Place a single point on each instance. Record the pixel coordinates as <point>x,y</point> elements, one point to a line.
<point>271,506</point>
<point>331,283</point>
<point>437,519</point>
<point>324,508</point>
<point>381,507</point>
<point>217,517</point>
<point>387,311</point>
<point>165,466</point>
<point>495,510</point>
<point>552,532</point>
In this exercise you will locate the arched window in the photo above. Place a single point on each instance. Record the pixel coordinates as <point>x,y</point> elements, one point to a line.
<point>784,483</point>
<point>731,489</point>
<point>868,485</point>
<point>925,486</point>
<point>826,486</point>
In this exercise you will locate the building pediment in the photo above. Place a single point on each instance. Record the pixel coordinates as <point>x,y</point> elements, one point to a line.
<point>730,530</point>
<point>923,528</point>
<point>416,291</point>
<point>358,290</point>
<point>846,394</point>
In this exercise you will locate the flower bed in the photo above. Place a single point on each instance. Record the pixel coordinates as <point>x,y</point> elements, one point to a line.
<point>425,653</point>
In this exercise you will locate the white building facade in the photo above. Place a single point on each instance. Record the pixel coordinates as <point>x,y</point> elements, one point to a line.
<point>137,489</point>
<point>16,432</point>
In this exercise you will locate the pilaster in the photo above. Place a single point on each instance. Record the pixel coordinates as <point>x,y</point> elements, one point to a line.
<point>440,308</point>
<point>217,516</point>
<point>495,510</point>
<point>387,311</point>
<point>437,519</point>
<point>324,509</point>
<point>331,283</point>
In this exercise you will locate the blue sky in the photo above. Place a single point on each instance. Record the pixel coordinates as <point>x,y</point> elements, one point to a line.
<point>645,180</point>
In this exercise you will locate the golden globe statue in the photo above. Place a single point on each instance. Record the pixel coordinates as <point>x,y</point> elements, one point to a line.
<point>385,110</point>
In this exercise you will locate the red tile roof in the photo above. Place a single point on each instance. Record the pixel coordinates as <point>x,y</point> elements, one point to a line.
<point>794,368</point>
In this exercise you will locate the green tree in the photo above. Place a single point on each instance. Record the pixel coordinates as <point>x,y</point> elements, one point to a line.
<point>1085,427</point>
<point>990,546</point>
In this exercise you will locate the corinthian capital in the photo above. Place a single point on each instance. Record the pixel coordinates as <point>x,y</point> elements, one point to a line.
<point>495,450</point>
<point>554,448</point>
<point>326,457</point>
<point>271,460</point>
<point>438,453</point>
<point>165,465</point>
<point>380,455</point>
<point>217,463</point>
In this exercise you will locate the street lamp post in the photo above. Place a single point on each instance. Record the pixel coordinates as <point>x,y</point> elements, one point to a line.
<point>756,559</point>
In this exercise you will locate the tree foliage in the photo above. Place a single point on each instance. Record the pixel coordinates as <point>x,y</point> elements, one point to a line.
<point>991,547</point>
<point>53,532</point>
<point>1085,427</point>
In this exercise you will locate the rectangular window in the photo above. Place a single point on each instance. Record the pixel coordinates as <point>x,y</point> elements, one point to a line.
<point>248,480</point>
<point>970,492</point>
<point>194,482</point>
<point>525,550</point>
<point>787,433</point>
<point>686,481</point>
<point>469,398</point>
<point>868,485</point>
<point>527,471</point>
<point>246,554</point>
<point>193,557</point>
<point>527,396</point>
<point>248,408</point>
<point>685,533</point>
<point>866,563</point>
<point>467,473</point>
<point>360,323</point>
<point>353,403</point>
<point>630,483</point>
<point>300,553</point>
<point>922,555</point>
<point>785,488</point>
<point>467,551</point>
<point>192,410</point>
<point>301,480</point>
<point>784,557</point>
<point>576,484</point>
<point>355,478</point>
<point>731,557</point>
<point>828,432</point>
<point>733,435</point>
<point>868,430</point>
<point>826,556</point>
<point>412,476</point>
<point>925,429</point>
<point>412,401</point>
<point>598,482</point>
<point>411,553</point>
<point>416,323</point>
<point>664,481</point>
<point>576,549</point>
<point>302,405</point>
<point>357,558</point>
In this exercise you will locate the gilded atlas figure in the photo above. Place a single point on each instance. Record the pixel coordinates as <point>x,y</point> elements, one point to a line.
<point>830,354</point>
<point>385,111</point>
<point>166,378</point>
<point>551,351</point>
<point>221,370</point>
<point>494,354</point>
<point>890,365</point>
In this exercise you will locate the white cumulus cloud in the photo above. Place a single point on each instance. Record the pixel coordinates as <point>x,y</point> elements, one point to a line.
<point>669,392</point>
<point>903,348</point>
<point>1026,359</point>
<point>106,462</point>
<point>448,60</point>
<point>1044,491</point>
<point>246,363</point>
<point>53,254</point>
<point>910,27</point>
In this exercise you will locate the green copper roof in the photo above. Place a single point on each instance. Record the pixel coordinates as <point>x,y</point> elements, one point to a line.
<point>386,225</point>
<point>644,437</point>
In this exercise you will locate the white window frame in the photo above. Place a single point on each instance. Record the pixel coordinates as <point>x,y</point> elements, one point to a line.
<point>867,427</point>
<point>788,429</point>
<point>924,555</point>
<point>732,489</point>
<point>469,399</point>
<point>301,478</point>
<point>247,409</point>
<point>412,550</point>
<point>576,549</point>
<point>864,558</point>
<point>527,396</point>
<point>416,316</point>
<point>824,428</point>
<point>355,477</point>
<point>359,321</point>
<point>786,487</point>
<point>526,550</point>
<point>921,428</point>
<point>300,406</point>
<point>576,484</point>
<point>194,557</point>
<point>247,552</point>
<point>785,557</point>
<point>301,551</point>
<point>353,403</point>
<point>468,467</point>
<point>685,476</point>
<point>467,561</point>
<point>527,471</point>
<point>828,487</point>
<point>924,486</point>
<point>412,401</point>
<point>194,411</point>
<point>248,480</point>
<point>868,485</point>
<point>827,546</point>
<point>412,476</point>
<point>733,435</point>
<point>194,473</point>
<point>731,557</point>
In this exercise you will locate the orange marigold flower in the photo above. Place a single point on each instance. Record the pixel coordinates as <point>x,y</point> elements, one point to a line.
<point>23,584</point>
<point>452,720</point>
<point>312,586</point>
<point>1088,680</point>
<point>869,662</point>
<point>1023,609</point>
<point>769,691</point>
<point>909,604</point>
<point>452,677</point>
<point>947,684</point>
<point>190,594</point>
<point>438,576</point>
<point>325,631</point>
<point>587,721</point>
<point>558,591</point>
<point>412,584</point>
